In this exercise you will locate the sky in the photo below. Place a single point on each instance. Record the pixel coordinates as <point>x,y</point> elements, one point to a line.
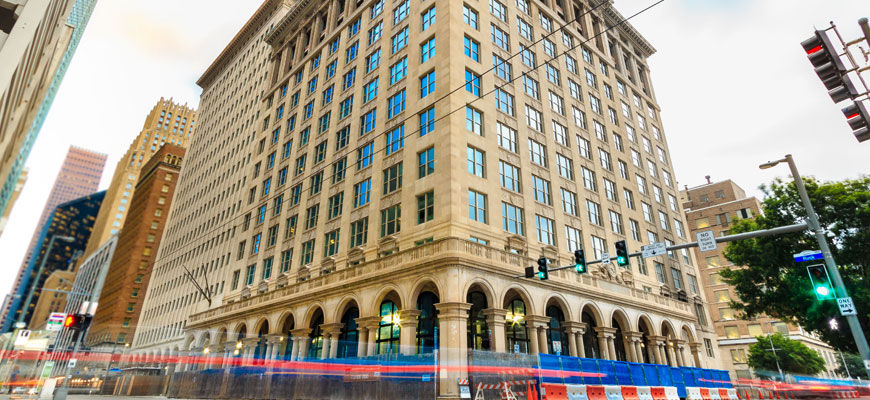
<point>732,80</point>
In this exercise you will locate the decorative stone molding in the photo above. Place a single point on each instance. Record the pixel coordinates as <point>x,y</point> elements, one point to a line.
<point>516,243</point>
<point>551,253</point>
<point>356,256</point>
<point>327,266</point>
<point>246,292</point>
<point>283,279</point>
<point>263,286</point>
<point>388,245</point>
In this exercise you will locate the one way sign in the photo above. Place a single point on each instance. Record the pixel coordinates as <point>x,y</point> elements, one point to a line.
<point>846,306</point>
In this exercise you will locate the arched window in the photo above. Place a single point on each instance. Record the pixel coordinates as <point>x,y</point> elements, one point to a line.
<point>260,351</point>
<point>590,338</point>
<point>644,342</point>
<point>388,329</point>
<point>478,331</point>
<point>619,341</point>
<point>243,332</point>
<point>515,327</point>
<point>349,337</point>
<point>315,345</point>
<point>427,323</point>
<point>556,331</point>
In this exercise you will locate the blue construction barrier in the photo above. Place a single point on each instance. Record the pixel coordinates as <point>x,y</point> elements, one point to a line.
<point>607,372</point>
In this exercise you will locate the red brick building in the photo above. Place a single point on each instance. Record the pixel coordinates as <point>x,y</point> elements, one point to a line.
<point>130,270</point>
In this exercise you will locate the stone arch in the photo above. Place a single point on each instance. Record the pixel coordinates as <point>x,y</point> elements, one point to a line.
<point>644,322</point>
<point>310,313</point>
<point>687,334</point>
<point>221,336</point>
<point>483,286</point>
<point>344,304</point>
<point>622,325</point>
<point>240,331</point>
<point>189,341</point>
<point>260,325</point>
<point>592,309</point>
<point>619,315</point>
<point>517,291</point>
<point>285,319</point>
<point>425,284</point>
<point>667,329</point>
<point>388,292</point>
<point>204,339</point>
<point>558,300</point>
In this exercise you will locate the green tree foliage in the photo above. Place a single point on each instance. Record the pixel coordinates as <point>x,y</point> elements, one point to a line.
<point>855,364</point>
<point>793,356</point>
<point>773,284</point>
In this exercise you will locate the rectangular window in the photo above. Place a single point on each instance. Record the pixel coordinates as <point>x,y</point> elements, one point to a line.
<point>393,178</point>
<point>336,203</point>
<point>395,140</point>
<point>425,207</point>
<point>616,222</point>
<point>427,50</point>
<point>566,167</point>
<point>307,253</point>
<point>368,121</point>
<point>399,70</point>
<point>509,176</point>
<point>249,275</point>
<point>501,67</point>
<point>469,16</point>
<point>311,216</point>
<point>533,119</point>
<point>330,243</point>
<point>427,84</point>
<point>569,202</point>
<point>541,188</point>
<point>359,232</point>
<point>473,121</point>
<point>472,83</point>
<point>537,153</point>
<point>504,102</point>
<point>589,179</point>
<point>545,230</point>
<point>500,38</point>
<point>372,62</point>
<point>476,160</point>
<point>471,48</point>
<point>362,193</point>
<point>428,18</point>
<point>399,40</point>
<point>594,212</point>
<point>396,104</point>
<point>507,137</point>
<point>390,218</point>
<point>477,206</point>
<point>426,162</point>
<point>573,238</point>
<point>267,268</point>
<point>338,170</point>
<point>512,219</point>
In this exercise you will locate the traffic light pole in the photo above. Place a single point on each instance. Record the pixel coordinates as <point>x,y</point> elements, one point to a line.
<point>839,287</point>
<point>780,230</point>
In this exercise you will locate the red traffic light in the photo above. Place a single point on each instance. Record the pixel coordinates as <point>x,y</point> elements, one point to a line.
<point>69,321</point>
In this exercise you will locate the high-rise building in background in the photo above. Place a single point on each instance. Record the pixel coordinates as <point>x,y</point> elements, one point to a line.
<point>713,207</point>
<point>37,43</point>
<point>210,192</point>
<point>22,179</point>
<point>73,219</point>
<point>128,277</point>
<point>167,122</point>
<point>79,176</point>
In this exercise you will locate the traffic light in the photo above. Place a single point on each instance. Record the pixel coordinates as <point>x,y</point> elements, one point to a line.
<point>580,261</point>
<point>621,253</point>
<point>859,120</point>
<point>829,67</point>
<point>74,322</point>
<point>530,272</point>
<point>543,269</point>
<point>821,282</point>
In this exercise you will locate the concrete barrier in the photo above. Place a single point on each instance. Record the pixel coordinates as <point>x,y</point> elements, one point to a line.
<point>644,393</point>
<point>671,393</point>
<point>577,392</point>
<point>613,392</point>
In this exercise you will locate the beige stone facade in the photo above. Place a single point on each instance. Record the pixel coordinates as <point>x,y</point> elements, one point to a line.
<point>22,179</point>
<point>388,181</point>
<point>167,122</point>
<point>714,206</point>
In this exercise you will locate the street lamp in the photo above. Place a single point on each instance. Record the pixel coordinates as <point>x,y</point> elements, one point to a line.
<point>813,223</point>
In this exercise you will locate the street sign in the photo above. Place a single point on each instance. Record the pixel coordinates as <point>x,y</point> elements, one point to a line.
<point>72,363</point>
<point>464,392</point>
<point>808,255</point>
<point>846,306</point>
<point>22,338</point>
<point>605,258</point>
<point>652,250</point>
<point>55,322</point>
<point>706,241</point>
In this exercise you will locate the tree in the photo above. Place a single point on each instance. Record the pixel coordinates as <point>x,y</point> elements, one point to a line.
<point>793,356</point>
<point>771,283</point>
<point>855,364</point>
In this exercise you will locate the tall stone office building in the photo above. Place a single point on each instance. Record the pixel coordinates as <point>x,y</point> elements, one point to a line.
<point>714,206</point>
<point>166,122</point>
<point>392,181</point>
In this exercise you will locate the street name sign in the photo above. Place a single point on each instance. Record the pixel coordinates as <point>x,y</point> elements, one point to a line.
<point>654,249</point>
<point>55,322</point>
<point>605,258</point>
<point>846,306</point>
<point>706,241</point>
<point>808,255</point>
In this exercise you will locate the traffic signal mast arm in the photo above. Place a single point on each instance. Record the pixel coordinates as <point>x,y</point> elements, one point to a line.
<point>722,239</point>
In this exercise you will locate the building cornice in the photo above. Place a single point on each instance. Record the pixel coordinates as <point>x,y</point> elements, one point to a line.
<point>613,17</point>
<point>250,28</point>
<point>299,11</point>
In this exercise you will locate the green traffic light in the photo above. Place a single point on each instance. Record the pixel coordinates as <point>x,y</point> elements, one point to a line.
<point>823,290</point>
<point>621,260</point>
<point>540,275</point>
<point>581,268</point>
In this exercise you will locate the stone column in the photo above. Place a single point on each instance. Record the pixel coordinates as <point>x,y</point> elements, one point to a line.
<point>669,347</point>
<point>572,329</point>
<point>300,345</point>
<point>369,324</point>
<point>229,349</point>
<point>495,320</point>
<point>250,346</point>
<point>538,333</point>
<point>631,340</point>
<point>330,331</point>
<point>605,342</point>
<point>581,346</point>
<point>653,349</point>
<point>362,340</point>
<point>638,349</point>
<point>695,348</point>
<point>453,332</point>
<point>408,331</point>
<point>678,348</point>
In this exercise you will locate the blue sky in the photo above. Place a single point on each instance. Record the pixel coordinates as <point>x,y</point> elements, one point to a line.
<point>730,75</point>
